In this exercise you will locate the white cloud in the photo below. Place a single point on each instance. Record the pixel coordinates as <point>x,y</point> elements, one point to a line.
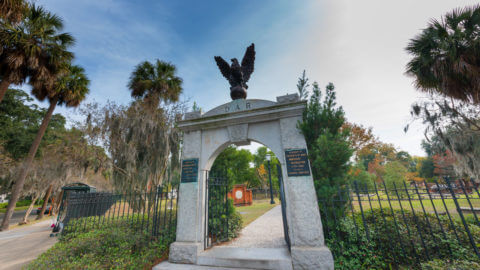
<point>357,45</point>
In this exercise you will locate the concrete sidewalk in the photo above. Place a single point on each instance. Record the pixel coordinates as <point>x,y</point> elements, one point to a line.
<point>264,232</point>
<point>21,245</point>
<point>261,245</point>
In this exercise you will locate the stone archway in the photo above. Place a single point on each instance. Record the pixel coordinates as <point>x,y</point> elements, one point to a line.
<point>273,124</point>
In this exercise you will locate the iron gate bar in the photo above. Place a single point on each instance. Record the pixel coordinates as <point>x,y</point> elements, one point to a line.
<point>469,203</point>
<point>448,213</point>
<point>424,212</point>
<point>416,221</point>
<point>470,237</point>
<point>406,223</point>
<point>205,236</point>
<point>283,204</point>
<point>438,217</point>
<point>361,210</point>
<point>353,214</point>
<point>371,208</point>
<point>217,192</point>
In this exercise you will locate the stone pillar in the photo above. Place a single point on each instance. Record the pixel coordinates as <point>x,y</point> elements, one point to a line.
<point>308,248</point>
<point>190,206</point>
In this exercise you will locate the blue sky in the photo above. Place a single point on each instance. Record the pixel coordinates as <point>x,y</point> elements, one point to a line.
<point>357,45</point>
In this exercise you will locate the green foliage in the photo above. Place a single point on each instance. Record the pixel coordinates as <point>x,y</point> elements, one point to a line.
<point>224,223</point>
<point>327,142</point>
<point>34,48</point>
<point>388,248</point>
<point>302,87</point>
<point>235,165</point>
<point>445,55</point>
<point>259,159</point>
<point>394,175</point>
<point>20,203</point>
<point>426,168</point>
<point>352,251</point>
<point>20,121</point>
<point>116,245</point>
<point>223,226</point>
<point>450,265</point>
<point>155,82</point>
<point>363,178</point>
<point>196,108</point>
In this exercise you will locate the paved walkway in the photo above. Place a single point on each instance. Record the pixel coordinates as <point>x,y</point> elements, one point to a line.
<point>18,216</point>
<point>261,245</point>
<point>21,245</point>
<point>264,232</point>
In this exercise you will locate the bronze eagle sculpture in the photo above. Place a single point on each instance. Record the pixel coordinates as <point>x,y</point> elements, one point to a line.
<point>237,75</point>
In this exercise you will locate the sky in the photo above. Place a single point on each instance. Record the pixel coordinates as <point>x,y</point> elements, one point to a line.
<point>357,45</point>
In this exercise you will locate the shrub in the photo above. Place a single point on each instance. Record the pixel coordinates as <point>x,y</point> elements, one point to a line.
<point>114,245</point>
<point>219,218</point>
<point>450,265</point>
<point>389,248</point>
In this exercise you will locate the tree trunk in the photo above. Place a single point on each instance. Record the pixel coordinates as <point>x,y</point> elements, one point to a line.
<point>58,203</point>
<point>45,202</point>
<point>4,84</point>
<point>29,210</point>
<point>18,186</point>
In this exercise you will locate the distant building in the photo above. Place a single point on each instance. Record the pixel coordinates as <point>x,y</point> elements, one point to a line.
<point>3,198</point>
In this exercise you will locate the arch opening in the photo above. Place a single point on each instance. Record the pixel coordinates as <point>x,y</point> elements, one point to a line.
<point>243,198</point>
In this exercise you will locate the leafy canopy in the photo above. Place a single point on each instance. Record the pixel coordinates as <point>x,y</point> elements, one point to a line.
<point>19,123</point>
<point>446,56</point>
<point>327,142</point>
<point>34,48</point>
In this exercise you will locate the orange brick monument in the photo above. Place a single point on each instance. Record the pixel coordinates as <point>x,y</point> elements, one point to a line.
<point>241,195</point>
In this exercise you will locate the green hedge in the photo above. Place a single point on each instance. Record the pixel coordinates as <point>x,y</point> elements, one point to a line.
<point>116,245</point>
<point>20,203</point>
<point>389,249</point>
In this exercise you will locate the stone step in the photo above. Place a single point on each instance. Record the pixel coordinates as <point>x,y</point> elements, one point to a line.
<point>246,257</point>
<point>178,266</point>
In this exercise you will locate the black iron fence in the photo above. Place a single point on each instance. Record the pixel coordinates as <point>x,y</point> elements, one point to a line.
<point>151,212</point>
<point>262,194</point>
<point>406,224</point>
<point>217,211</point>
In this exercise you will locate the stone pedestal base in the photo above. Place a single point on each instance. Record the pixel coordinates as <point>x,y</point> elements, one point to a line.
<point>318,258</point>
<point>184,252</point>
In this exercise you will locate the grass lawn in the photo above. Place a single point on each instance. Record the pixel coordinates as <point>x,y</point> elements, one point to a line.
<point>20,208</point>
<point>428,204</point>
<point>258,208</point>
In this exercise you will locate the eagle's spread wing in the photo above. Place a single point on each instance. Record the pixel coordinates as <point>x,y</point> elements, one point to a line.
<point>223,66</point>
<point>248,62</point>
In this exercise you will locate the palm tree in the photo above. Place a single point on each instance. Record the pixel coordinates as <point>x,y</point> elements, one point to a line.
<point>446,56</point>
<point>33,48</point>
<point>70,89</point>
<point>12,11</point>
<point>155,82</point>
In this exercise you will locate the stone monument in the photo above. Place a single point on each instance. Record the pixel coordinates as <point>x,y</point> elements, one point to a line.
<point>239,122</point>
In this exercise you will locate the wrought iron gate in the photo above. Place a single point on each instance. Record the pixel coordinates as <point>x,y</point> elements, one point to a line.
<point>284,205</point>
<point>216,211</point>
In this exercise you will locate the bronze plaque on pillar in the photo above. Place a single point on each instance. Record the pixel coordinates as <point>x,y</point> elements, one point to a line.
<point>189,170</point>
<point>297,162</point>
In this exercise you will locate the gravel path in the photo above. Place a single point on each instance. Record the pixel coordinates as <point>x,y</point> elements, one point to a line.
<point>264,232</point>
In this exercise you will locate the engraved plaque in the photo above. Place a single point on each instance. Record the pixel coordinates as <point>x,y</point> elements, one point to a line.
<point>297,162</point>
<point>189,170</point>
